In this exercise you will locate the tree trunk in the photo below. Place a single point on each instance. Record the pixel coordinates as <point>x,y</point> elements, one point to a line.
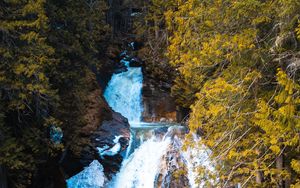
<point>3,177</point>
<point>287,182</point>
<point>156,28</point>
<point>259,177</point>
<point>279,166</point>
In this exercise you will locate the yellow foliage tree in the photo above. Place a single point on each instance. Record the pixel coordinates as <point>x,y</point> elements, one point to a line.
<point>248,114</point>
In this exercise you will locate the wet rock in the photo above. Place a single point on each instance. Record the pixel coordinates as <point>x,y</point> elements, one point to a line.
<point>88,154</point>
<point>137,45</point>
<point>123,55</point>
<point>105,138</point>
<point>159,105</point>
<point>173,172</point>
<point>135,62</point>
<point>161,131</point>
<point>100,128</point>
<point>163,119</point>
<point>179,131</point>
<point>120,68</point>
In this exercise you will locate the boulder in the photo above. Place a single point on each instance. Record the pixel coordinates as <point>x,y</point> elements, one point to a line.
<point>110,141</point>
<point>120,70</point>
<point>108,145</point>
<point>160,131</point>
<point>177,130</point>
<point>173,173</point>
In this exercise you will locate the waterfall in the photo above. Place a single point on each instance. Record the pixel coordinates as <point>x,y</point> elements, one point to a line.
<point>157,153</point>
<point>142,167</point>
<point>124,93</point>
<point>155,149</point>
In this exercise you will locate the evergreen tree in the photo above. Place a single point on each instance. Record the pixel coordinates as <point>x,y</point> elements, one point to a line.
<point>47,51</point>
<point>80,36</point>
<point>26,93</point>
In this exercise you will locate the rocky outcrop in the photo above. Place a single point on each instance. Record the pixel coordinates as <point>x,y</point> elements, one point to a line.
<point>101,126</point>
<point>111,140</point>
<point>103,137</point>
<point>173,173</point>
<point>159,105</point>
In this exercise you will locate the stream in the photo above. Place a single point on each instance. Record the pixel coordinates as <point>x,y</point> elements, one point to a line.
<point>154,156</point>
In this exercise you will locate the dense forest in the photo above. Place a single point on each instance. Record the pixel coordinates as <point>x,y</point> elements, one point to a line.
<point>234,65</point>
<point>48,51</point>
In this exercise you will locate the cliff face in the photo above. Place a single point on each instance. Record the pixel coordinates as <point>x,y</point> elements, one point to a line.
<point>159,105</point>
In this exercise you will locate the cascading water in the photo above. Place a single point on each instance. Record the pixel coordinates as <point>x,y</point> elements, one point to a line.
<point>124,92</point>
<point>141,168</point>
<point>155,150</point>
<point>124,95</point>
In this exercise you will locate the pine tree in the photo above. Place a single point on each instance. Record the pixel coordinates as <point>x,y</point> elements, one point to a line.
<point>26,93</point>
<point>46,50</point>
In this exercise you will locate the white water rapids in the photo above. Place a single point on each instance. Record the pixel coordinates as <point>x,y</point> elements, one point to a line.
<point>124,93</point>
<point>154,148</point>
<point>141,168</point>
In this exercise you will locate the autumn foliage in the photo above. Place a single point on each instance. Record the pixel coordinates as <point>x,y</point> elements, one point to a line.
<point>238,72</point>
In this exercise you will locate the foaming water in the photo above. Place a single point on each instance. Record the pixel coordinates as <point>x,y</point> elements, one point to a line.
<point>195,157</point>
<point>91,177</point>
<point>154,150</point>
<point>141,168</point>
<point>124,93</point>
